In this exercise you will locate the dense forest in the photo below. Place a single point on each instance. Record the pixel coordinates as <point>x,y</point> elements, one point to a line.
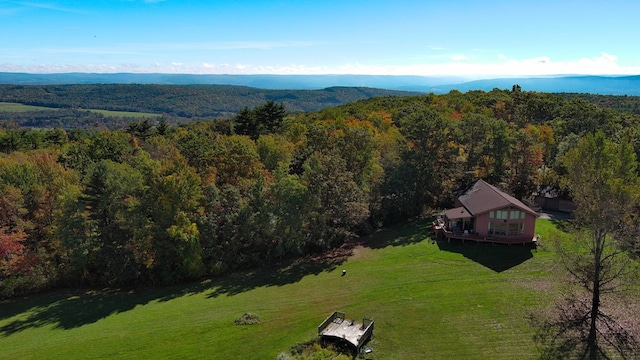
<point>157,203</point>
<point>182,101</point>
<point>69,105</point>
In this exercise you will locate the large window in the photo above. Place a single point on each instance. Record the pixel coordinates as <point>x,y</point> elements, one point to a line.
<point>498,228</point>
<point>502,228</point>
<point>504,214</point>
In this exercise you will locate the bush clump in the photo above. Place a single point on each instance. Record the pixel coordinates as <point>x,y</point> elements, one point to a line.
<point>248,319</point>
<point>316,350</point>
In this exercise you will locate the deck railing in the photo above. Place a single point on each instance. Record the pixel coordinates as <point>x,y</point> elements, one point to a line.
<point>367,325</point>
<point>484,238</point>
<point>330,319</point>
<point>365,329</point>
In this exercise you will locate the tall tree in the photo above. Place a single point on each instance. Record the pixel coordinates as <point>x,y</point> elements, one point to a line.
<point>338,204</point>
<point>98,225</point>
<point>603,181</point>
<point>291,204</point>
<point>238,163</point>
<point>431,157</point>
<point>525,160</point>
<point>264,119</point>
<point>270,116</point>
<point>174,205</point>
<point>12,235</point>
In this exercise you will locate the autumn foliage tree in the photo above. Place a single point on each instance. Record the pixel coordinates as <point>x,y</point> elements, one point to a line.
<point>158,204</point>
<point>12,234</point>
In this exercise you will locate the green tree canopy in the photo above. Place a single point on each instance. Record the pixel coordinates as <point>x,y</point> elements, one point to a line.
<point>602,178</point>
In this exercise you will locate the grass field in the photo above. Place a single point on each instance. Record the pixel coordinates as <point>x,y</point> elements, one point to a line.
<point>428,300</point>
<point>125,114</point>
<point>15,107</point>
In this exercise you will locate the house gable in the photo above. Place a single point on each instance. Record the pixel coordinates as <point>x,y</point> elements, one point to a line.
<point>482,198</point>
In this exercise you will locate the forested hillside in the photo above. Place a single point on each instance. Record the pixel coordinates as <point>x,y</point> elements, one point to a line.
<point>155,203</point>
<point>619,103</point>
<point>69,106</point>
<point>185,101</point>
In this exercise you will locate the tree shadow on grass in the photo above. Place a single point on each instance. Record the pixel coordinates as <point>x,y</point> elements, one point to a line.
<point>72,308</point>
<point>398,235</point>
<point>67,309</point>
<point>289,272</point>
<point>495,257</point>
<point>283,273</point>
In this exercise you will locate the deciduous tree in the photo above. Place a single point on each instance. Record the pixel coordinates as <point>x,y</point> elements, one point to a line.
<point>339,205</point>
<point>603,181</point>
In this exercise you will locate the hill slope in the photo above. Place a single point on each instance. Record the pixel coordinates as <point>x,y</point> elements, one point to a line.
<point>273,82</point>
<point>183,100</point>
<point>445,300</point>
<point>604,85</point>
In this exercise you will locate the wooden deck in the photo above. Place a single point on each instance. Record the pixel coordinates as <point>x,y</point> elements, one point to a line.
<point>449,235</point>
<point>338,327</point>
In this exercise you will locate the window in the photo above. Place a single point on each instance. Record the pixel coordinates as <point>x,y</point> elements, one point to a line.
<point>514,229</point>
<point>502,214</point>
<point>491,214</point>
<point>514,215</point>
<point>501,228</point>
<point>497,228</point>
<point>523,215</point>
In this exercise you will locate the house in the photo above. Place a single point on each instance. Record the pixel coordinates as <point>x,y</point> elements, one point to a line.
<point>485,213</point>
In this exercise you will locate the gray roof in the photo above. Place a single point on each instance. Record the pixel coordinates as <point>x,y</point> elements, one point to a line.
<point>483,197</point>
<point>457,213</point>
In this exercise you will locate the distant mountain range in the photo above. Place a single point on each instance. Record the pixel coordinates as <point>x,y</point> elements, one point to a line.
<point>605,85</point>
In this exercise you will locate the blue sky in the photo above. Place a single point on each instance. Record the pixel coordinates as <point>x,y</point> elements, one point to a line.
<point>469,38</point>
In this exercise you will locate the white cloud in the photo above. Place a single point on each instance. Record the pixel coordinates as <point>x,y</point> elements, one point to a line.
<point>49,6</point>
<point>503,66</point>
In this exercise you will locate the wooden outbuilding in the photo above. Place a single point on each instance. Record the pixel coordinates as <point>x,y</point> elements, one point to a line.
<point>337,327</point>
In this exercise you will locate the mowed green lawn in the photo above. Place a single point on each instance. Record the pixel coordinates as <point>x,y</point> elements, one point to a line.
<point>436,301</point>
<point>15,107</point>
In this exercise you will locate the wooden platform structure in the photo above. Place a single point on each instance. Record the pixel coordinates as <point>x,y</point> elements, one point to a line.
<point>337,326</point>
<point>443,233</point>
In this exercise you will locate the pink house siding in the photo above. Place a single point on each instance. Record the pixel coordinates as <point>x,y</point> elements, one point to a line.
<point>482,224</point>
<point>530,226</point>
<point>485,213</point>
<point>526,230</point>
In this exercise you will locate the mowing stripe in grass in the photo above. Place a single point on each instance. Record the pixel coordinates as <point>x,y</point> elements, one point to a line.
<point>427,300</point>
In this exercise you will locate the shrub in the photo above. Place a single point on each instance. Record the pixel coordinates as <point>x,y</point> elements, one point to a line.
<point>248,319</point>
